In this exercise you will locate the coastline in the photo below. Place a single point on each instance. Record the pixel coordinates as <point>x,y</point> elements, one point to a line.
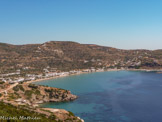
<point>109,70</point>
<point>54,110</point>
<point>50,78</point>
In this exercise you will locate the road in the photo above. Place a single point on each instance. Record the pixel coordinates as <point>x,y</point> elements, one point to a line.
<point>10,87</point>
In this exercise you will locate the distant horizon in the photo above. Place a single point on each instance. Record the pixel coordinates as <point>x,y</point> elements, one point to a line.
<point>123,24</point>
<point>80,43</point>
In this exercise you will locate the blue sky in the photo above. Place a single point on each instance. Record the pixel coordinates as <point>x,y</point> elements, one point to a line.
<point>125,24</point>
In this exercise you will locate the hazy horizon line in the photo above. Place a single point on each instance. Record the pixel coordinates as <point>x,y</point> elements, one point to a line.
<point>77,42</point>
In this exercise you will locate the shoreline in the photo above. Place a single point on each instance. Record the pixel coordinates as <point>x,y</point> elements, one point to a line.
<point>50,78</point>
<point>109,70</point>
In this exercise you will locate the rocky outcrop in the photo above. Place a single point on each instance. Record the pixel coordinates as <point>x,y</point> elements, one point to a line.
<point>24,113</point>
<point>63,115</point>
<point>27,96</point>
<point>36,94</point>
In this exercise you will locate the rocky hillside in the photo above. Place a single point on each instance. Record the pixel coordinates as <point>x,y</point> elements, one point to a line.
<point>31,94</point>
<point>71,55</point>
<point>23,100</point>
<point>10,113</point>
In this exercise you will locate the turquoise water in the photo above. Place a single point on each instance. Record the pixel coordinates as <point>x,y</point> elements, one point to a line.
<point>118,96</point>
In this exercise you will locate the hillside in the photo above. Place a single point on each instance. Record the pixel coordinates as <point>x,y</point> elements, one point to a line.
<point>36,94</point>
<point>67,56</point>
<point>10,113</point>
<point>21,103</point>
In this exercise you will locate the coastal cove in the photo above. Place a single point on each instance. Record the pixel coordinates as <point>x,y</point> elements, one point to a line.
<point>126,96</point>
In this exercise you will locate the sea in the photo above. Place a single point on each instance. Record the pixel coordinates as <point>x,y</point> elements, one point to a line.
<point>112,96</point>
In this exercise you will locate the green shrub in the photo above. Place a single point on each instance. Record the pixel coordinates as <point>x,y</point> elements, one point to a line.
<point>9,110</point>
<point>1,82</point>
<point>33,86</point>
<point>52,117</point>
<point>70,113</point>
<point>21,88</point>
<point>18,87</point>
<point>28,93</point>
<point>37,92</point>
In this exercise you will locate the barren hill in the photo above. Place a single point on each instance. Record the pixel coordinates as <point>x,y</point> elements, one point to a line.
<point>65,55</point>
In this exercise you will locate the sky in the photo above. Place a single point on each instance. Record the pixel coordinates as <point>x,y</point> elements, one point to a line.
<point>124,24</point>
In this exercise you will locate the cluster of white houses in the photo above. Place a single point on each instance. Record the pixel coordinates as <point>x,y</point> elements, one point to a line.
<point>47,74</point>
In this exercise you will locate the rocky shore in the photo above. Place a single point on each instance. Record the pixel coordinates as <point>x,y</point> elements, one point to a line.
<point>30,96</point>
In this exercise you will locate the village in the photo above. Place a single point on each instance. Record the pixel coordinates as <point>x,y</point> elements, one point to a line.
<point>16,77</point>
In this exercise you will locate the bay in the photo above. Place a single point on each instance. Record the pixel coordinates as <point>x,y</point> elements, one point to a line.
<point>116,96</point>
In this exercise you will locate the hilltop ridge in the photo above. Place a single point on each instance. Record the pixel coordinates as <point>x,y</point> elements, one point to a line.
<point>71,55</point>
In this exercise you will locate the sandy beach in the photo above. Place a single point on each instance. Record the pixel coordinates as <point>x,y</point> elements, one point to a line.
<point>147,70</point>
